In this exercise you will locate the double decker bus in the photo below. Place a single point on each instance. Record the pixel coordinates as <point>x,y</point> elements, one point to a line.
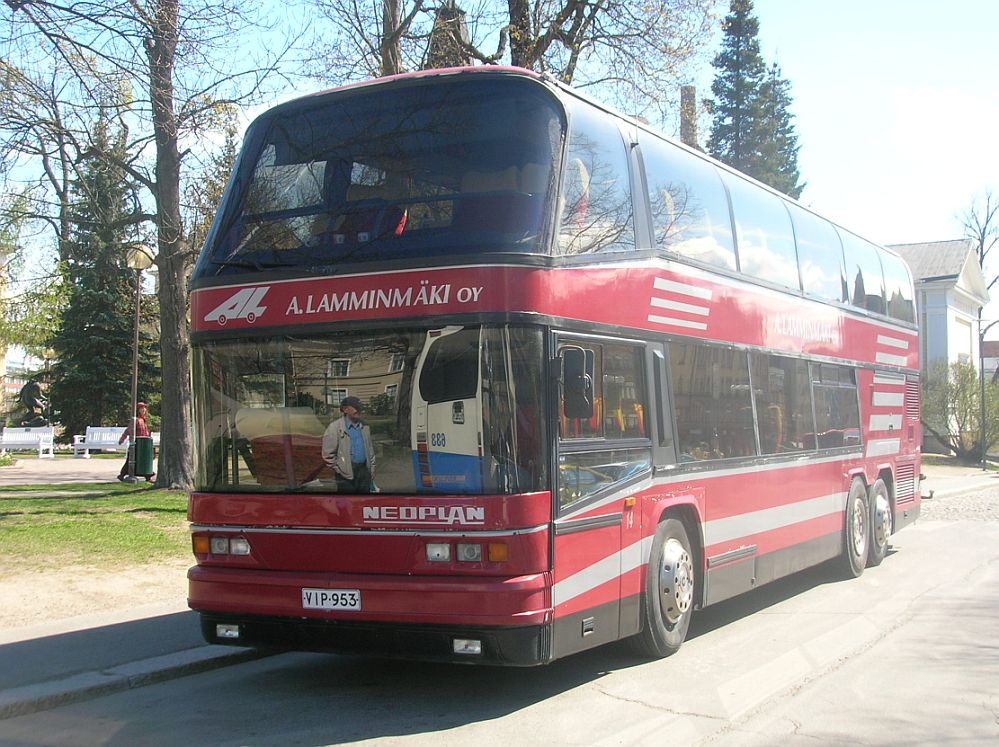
<point>608,380</point>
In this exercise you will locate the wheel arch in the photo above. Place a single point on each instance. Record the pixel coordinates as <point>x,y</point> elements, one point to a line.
<point>858,472</point>
<point>886,474</point>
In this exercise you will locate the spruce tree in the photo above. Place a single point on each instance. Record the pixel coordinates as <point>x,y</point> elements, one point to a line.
<point>93,346</point>
<point>774,133</point>
<point>752,128</point>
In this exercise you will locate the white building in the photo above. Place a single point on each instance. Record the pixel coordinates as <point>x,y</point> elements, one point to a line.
<point>950,290</point>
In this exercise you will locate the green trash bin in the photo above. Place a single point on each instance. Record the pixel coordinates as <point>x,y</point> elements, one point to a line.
<point>143,456</point>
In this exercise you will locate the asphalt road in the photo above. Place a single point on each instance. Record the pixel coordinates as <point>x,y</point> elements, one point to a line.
<point>904,655</point>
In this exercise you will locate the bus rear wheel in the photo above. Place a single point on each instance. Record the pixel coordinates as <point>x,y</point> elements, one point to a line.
<point>669,592</point>
<point>881,523</point>
<point>857,531</point>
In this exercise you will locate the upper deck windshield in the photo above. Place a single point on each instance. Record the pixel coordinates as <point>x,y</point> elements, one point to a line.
<point>449,410</point>
<point>447,167</point>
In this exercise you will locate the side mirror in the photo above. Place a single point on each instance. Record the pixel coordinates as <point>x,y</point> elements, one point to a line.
<point>577,382</point>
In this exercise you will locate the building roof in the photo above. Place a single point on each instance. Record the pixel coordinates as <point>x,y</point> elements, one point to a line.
<point>935,260</point>
<point>948,264</point>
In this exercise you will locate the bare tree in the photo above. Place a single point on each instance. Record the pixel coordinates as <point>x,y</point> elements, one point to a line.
<point>368,39</point>
<point>41,124</point>
<point>981,224</point>
<point>634,53</point>
<point>178,60</point>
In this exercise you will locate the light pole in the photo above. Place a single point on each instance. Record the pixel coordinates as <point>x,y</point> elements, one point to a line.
<point>138,258</point>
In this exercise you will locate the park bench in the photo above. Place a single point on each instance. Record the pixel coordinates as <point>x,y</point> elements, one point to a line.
<point>103,437</point>
<point>36,439</point>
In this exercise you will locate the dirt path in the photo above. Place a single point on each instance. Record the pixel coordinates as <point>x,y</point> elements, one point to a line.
<point>35,597</point>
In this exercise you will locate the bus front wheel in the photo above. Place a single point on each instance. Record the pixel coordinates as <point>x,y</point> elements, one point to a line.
<point>669,592</point>
<point>857,531</point>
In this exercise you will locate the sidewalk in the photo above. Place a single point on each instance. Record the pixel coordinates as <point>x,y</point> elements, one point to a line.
<point>30,470</point>
<point>950,479</point>
<point>109,655</point>
<point>106,651</point>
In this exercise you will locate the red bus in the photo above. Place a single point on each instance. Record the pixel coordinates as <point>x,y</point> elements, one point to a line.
<point>607,380</point>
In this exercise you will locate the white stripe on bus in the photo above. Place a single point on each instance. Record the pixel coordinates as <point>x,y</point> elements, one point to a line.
<point>769,519</point>
<point>891,360</point>
<point>665,303</point>
<point>889,379</point>
<point>887,399</point>
<point>885,422</point>
<point>687,290</point>
<point>893,342</point>
<point>883,446</point>
<point>676,322</point>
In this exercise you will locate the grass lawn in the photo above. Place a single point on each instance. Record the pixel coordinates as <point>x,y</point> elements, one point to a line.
<point>43,526</point>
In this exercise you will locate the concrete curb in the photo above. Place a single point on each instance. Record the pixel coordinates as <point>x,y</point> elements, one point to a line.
<point>20,701</point>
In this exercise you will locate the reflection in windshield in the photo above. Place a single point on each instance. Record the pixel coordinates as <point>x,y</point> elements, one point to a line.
<point>458,167</point>
<point>451,410</point>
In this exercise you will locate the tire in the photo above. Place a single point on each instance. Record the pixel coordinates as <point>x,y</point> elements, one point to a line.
<point>881,522</point>
<point>856,532</point>
<point>669,592</point>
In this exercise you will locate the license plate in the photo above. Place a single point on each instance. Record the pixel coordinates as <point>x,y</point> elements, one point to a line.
<point>331,599</point>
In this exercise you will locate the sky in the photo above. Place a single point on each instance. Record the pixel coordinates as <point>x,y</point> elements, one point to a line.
<point>896,107</point>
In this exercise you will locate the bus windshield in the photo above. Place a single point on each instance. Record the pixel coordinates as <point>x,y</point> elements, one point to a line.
<point>449,410</point>
<point>455,168</point>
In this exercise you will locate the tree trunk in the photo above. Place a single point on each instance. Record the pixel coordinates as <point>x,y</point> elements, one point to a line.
<point>391,51</point>
<point>522,48</point>
<point>175,468</point>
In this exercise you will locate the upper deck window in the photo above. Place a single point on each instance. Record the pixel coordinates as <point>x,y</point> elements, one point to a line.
<point>763,231</point>
<point>820,255</point>
<point>898,288</point>
<point>689,207</point>
<point>864,276</point>
<point>453,167</point>
<point>597,214</point>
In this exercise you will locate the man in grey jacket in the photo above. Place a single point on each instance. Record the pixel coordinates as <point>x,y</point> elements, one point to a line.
<point>347,448</point>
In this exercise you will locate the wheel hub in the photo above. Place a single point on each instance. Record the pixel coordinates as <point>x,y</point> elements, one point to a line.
<point>858,532</point>
<point>882,521</point>
<point>676,581</point>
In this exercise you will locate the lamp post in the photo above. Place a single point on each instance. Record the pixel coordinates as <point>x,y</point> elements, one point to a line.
<point>138,258</point>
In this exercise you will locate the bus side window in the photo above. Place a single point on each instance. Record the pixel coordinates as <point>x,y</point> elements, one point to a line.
<point>837,411</point>
<point>604,427</point>
<point>711,395</point>
<point>783,404</point>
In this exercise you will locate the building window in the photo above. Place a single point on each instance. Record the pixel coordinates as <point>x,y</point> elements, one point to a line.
<point>336,395</point>
<point>339,367</point>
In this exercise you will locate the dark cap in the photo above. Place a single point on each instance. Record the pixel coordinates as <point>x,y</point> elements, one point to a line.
<point>351,402</point>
